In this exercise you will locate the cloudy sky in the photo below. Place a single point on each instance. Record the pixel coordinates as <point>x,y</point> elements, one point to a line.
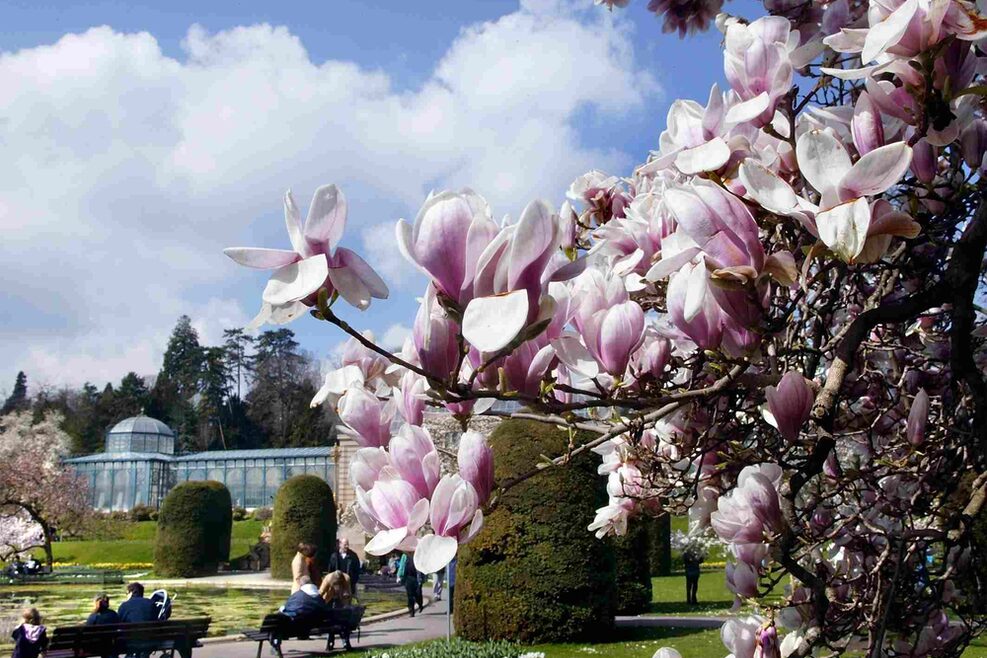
<point>139,141</point>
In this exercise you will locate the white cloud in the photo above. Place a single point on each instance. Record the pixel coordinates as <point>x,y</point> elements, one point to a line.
<point>394,337</point>
<point>126,171</point>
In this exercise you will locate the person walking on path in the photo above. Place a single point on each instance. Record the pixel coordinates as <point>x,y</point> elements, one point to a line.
<point>303,565</point>
<point>440,578</point>
<point>408,575</point>
<point>30,638</point>
<point>692,562</point>
<point>346,561</point>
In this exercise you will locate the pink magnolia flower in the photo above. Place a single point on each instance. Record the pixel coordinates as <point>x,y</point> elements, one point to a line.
<point>455,518</point>
<point>368,417</point>
<point>613,334</point>
<point>686,16</point>
<point>604,196</point>
<point>741,579</point>
<point>918,418</point>
<point>314,261</point>
<point>415,459</point>
<point>756,61</point>
<point>789,404</point>
<point>739,635</point>
<point>411,397</point>
<point>435,337</point>
<point>750,510</point>
<point>476,464</point>
<point>398,509</point>
<point>367,466</point>
<point>843,218</point>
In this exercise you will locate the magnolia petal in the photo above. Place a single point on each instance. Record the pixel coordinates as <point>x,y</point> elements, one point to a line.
<point>844,228</point>
<point>293,222</point>
<point>767,188</point>
<point>434,552</point>
<point>474,528</point>
<point>350,287</point>
<point>418,516</point>
<point>326,217</point>
<point>851,74</point>
<point>822,159</point>
<point>668,266</point>
<point>364,272</point>
<point>296,281</point>
<point>575,356</point>
<point>780,266</point>
<point>877,171</point>
<point>888,32</point>
<point>490,323</point>
<point>385,541</point>
<point>260,258</point>
<point>695,293</point>
<point>707,157</point>
<point>749,109</point>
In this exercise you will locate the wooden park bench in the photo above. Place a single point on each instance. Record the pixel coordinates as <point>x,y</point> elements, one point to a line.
<point>169,637</point>
<point>276,628</point>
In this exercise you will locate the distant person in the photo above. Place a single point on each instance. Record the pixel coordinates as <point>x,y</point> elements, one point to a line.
<point>102,612</point>
<point>32,566</point>
<point>346,561</point>
<point>136,608</point>
<point>409,577</point>
<point>692,562</point>
<point>337,594</point>
<point>440,578</point>
<point>304,566</point>
<point>30,638</point>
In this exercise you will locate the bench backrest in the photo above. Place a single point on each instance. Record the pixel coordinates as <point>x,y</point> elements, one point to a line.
<point>110,638</point>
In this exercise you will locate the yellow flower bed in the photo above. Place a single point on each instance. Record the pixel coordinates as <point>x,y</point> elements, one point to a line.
<point>120,566</point>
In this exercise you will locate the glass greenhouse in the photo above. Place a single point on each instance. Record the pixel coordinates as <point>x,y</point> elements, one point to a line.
<point>139,467</point>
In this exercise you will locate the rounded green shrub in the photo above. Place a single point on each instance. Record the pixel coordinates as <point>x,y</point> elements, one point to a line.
<point>304,511</point>
<point>194,527</point>
<point>632,555</point>
<point>534,573</point>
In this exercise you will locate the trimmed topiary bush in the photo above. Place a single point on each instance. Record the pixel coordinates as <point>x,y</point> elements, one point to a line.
<point>632,556</point>
<point>660,544</point>
<point>304,510</point>
<point>194,528</point>
<point>534,573</point>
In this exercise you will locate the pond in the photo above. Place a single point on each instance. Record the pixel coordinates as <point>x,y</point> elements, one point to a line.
<point>231,609</point>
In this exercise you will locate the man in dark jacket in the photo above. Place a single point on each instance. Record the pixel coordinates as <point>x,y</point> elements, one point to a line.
<point>346,561</point>
<point>136,608</point>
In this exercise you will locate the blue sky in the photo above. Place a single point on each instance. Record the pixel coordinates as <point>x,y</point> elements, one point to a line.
<point>147,137</point>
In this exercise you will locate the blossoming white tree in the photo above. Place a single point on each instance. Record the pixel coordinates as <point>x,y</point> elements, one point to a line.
<point>37,491</point>
<point>770,324</point>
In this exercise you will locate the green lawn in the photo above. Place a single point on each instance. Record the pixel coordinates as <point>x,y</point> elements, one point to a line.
<point>136,545</point>
<point>668,595</point>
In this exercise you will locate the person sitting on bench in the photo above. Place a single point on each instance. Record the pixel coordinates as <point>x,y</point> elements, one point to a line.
<point>336,592</point>
<point>306,604</point>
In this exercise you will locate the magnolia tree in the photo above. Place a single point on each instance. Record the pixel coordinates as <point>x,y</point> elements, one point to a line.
<point>769,325</point>
<point>37,492</point>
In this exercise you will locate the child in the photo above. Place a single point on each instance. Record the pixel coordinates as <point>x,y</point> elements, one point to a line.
<point>30,638</point>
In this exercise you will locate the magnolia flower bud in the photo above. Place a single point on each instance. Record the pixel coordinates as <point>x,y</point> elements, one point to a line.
<point>918,417</point>
<point>789,404</point>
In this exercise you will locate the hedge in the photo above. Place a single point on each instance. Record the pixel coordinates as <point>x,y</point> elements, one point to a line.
<point>304,510</point>
<point>534,573</point>
<point>632,555</point>
<point>195,525</point>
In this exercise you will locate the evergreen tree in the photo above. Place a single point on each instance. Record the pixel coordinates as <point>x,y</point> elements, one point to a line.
<point>132,397</point>
<point>184,358</point>
<point>215,387</point>
<point>18,397</point>
<point>239,361</point>
<point>82,422</point>
<point>283,388</point>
